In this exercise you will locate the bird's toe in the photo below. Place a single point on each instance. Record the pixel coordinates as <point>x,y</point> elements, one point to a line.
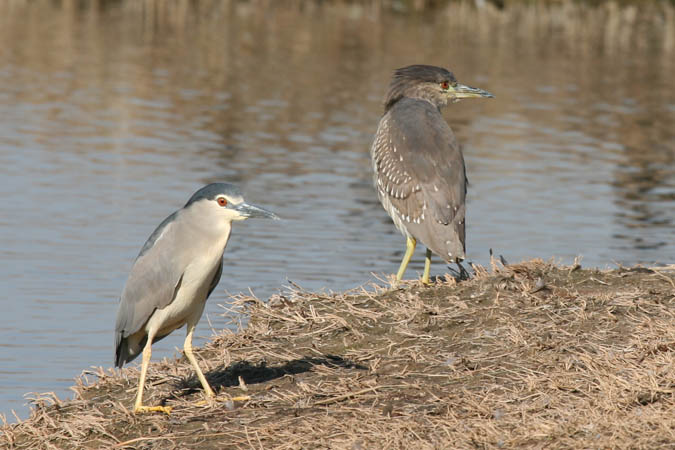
<point>147,409</point>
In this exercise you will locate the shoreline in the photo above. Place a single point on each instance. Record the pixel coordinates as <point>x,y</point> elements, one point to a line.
<point>523,355</point>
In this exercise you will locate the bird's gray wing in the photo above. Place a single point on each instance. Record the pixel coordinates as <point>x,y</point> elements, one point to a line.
<point>216,278</point>
<point>421,171</point>
<point>393,179</point>
<point>153,282</point>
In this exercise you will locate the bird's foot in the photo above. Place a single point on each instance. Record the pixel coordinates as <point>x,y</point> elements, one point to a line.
<point>140,409</point>
<point>463,274</point>
<point>210,401</point>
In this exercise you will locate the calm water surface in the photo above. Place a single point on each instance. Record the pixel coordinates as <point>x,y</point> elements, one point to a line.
<point>112,114</point>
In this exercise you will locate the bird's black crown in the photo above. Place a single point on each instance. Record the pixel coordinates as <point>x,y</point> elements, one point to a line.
<point>211,191</point>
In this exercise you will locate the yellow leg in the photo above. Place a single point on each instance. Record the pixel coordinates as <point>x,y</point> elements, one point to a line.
<point>138,406</point>
<point>410,249</point>
<point>427,267</point>
<point>202,379</point>
<point>191,357</point>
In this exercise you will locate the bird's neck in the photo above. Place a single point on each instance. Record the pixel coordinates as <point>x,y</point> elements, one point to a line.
<point>437,102</point>
<point>223,235</point>
<point>214,236</point>
<point>420,98</point>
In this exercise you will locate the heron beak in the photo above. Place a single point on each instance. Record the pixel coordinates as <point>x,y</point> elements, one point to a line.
<point>462,91</point>
<point>249,211</point>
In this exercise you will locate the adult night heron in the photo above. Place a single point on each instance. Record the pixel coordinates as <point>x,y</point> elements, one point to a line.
<point>419,168</point>
<point>173,275</point>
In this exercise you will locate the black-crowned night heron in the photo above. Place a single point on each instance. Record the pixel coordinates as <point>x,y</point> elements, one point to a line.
<point>419,168</point>
<point>175,272</point>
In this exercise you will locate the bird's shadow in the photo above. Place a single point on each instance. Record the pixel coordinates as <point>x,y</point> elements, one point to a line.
<point>254,373</point>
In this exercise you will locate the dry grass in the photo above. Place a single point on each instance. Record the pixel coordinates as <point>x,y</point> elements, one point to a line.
<point>528,356</point>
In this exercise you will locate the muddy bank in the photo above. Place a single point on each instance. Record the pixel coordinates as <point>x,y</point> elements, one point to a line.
<point>527,355</point>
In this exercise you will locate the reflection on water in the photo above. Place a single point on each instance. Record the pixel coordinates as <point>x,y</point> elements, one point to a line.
<point>113,113</point>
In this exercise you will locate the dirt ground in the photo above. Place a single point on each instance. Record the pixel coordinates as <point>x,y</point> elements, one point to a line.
<point>529,355</point>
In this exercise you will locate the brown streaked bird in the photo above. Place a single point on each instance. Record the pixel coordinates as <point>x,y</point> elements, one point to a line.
<point>420,176</point>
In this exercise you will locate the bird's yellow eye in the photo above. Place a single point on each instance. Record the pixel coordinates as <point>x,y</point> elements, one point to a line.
<point>222,201</point>
<point>445,85</point>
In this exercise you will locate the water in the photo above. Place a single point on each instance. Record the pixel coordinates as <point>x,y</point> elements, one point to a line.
<point>113,113</point>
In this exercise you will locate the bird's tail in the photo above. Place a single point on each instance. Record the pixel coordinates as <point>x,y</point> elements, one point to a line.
<point>125,350</point>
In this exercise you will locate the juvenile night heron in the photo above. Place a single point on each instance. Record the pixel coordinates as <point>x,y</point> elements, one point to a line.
<point>175,272</point>
<point>419,168</point>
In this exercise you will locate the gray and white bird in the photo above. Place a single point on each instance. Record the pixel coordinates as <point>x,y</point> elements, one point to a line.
<point>420,176</point>
<point>177,269</point>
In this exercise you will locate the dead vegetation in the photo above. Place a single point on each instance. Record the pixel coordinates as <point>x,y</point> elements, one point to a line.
<point>528,356</point>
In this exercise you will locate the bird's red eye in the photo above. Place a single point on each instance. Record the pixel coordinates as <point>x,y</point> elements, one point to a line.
<point>222,201</point>
<point>445,85</point>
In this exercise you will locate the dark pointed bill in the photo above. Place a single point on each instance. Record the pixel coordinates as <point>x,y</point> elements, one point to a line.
<point>464,91</point>
<point>251,211</point>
